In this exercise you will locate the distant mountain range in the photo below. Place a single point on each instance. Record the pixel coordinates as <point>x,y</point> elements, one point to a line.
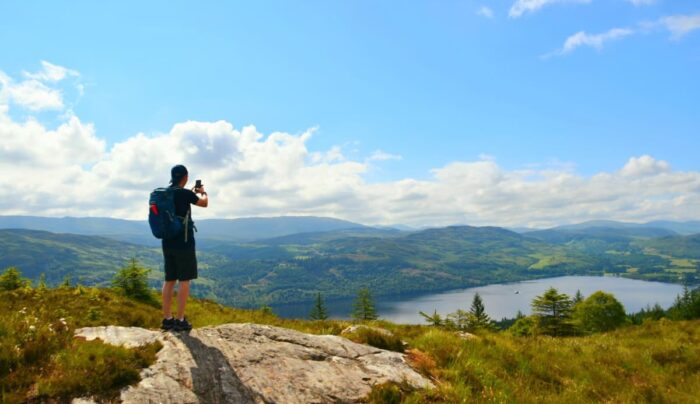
<point>137,231</point>
<point>246,262</point>
<point>682,228</point>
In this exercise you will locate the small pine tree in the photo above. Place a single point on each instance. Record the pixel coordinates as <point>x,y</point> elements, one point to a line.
<point>686,306</point>
<point>435,319</point>
<point>132,281</point>
<point>363,308</point>
<point>12,279</point>
<point>553,313</point>
<point>318,311</point>
<point>578,297</point>
<point>478,318</point>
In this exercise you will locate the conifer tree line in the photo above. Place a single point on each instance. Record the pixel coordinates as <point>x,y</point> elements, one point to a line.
<point>558,314</point>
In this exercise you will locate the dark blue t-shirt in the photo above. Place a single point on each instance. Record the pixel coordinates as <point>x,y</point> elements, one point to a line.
<point>183,199</point>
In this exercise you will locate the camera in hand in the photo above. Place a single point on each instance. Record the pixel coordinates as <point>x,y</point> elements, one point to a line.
<point>198,184</point>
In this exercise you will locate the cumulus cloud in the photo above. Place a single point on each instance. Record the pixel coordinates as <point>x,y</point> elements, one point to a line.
<point>68,170</point>
<point>485,11</point>
<point>34,93</point>
<point>645,166</point>
<point>521,7</point>
<point>680,25</point>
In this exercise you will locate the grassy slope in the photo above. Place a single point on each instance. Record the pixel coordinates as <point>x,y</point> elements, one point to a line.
<point>658,361</point>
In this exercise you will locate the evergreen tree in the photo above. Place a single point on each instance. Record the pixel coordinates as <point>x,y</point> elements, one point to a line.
<point>478,316</point>
<point>599,312</point>
<point>132,281</point>
<point>435,319</point>
<point>318,311</point>
<point>12,279</point>
<point>686,306</point>
<point>578,298</point>
<point>654,313</point>
<point>363,308</point>
<point>553,313</point>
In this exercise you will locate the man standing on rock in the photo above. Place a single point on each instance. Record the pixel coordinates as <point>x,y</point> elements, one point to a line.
<point>179,252</point>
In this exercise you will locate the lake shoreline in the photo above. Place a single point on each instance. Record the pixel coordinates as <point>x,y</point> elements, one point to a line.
<point>403,308</point>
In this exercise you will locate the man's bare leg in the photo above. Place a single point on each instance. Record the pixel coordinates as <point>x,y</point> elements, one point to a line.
<point>168,287</point>
<point>183,292</point>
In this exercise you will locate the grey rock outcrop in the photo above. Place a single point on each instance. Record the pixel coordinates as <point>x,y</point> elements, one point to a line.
<point>357,327</point>
<point>252,363</point>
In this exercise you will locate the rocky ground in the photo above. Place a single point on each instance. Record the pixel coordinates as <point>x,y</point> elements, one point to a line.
<point>252,363</point>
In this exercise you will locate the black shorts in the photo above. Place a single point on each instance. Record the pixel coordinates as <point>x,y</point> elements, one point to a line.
<point>180,265</point>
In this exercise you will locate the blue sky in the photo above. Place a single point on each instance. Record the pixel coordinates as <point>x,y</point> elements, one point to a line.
<point>431,81</point>
<point>434,82</point>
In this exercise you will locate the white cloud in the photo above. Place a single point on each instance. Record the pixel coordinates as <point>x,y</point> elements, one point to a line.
<point>485,11</point>
<point>521,7</point>
<point>645,166</point>
<point>68,170</point>
<point>595,41</point>
<point>379,155</point>
<point>34,93</point>
<point>51,73</point>
<point>680,25</point>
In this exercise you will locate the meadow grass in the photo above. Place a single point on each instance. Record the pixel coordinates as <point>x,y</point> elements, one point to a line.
<point>658,361</point>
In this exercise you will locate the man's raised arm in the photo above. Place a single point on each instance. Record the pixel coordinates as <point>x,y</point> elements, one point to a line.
<point>203,198</point>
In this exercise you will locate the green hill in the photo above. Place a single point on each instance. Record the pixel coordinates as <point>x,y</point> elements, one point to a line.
<point>93,260</point>
<point>679,246</point>
<point>337,263</point>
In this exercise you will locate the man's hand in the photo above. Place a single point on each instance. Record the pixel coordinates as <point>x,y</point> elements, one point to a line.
<point>203,198</point>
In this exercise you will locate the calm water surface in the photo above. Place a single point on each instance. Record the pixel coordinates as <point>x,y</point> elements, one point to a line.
<point>500,300</point>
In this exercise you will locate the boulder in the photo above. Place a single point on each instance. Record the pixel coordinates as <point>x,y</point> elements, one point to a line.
<point>252,363</point>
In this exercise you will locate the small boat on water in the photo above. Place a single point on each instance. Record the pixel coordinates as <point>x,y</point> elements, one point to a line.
<point>517,292</point>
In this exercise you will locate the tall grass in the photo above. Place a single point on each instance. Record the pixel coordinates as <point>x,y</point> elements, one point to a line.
<point>657,361</point>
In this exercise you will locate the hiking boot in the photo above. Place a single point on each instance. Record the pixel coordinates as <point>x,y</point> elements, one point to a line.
<point>167,324</point>
<point>182,325</point>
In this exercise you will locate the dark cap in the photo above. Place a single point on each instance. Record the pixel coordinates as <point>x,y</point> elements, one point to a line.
<point>177,173</point>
